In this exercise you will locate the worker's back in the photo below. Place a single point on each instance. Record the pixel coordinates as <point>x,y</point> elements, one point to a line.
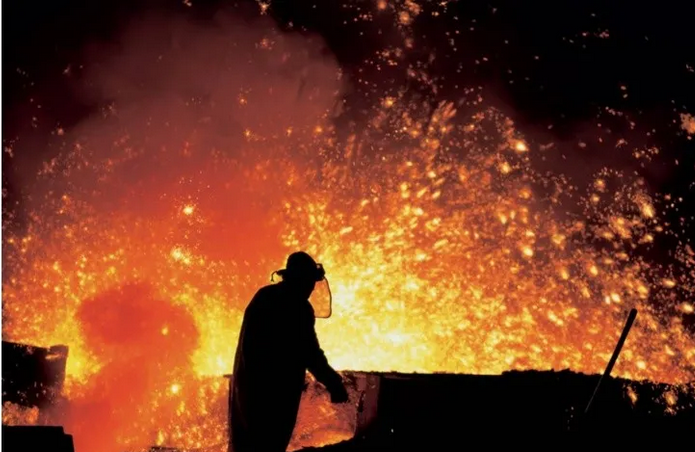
<point>270,363</point>
<point>275,335</point>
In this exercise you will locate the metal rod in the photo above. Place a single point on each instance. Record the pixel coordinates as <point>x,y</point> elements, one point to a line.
<point>614,358</point>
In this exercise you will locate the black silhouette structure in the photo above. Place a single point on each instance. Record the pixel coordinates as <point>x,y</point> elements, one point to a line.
<point>277,345</point>
<point>517,410</point>
<point>33,377</point>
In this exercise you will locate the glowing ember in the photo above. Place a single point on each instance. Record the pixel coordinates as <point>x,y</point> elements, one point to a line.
<point>688,123</point>
<point>520,146</point>
<point>632,394</point>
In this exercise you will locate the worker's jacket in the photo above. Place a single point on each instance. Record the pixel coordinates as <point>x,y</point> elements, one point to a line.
<point>277,345</point>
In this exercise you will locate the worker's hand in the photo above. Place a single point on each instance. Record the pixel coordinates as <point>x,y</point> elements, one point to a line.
<point>339,394</point>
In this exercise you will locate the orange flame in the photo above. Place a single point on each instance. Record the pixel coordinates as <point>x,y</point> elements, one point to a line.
<point>446,252</point>
<point>481,278</point>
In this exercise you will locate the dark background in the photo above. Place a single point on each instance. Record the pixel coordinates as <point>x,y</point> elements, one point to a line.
<point>545,61</point>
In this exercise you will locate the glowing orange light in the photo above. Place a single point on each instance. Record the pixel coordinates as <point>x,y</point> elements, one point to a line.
<point>520,146</point>
<point>452,264</point>
<point>632,395</point>
<point>669,283</point>
<point>648,210</point>
<point>671,398</point>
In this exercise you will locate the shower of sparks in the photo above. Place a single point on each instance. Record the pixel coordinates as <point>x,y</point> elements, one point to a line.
<point>446,252</point>
<point>438,261</point>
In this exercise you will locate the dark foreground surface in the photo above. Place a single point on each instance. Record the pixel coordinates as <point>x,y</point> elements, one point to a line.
<point>438,412</point>
<point>450,412</point>
<point>36,439</point>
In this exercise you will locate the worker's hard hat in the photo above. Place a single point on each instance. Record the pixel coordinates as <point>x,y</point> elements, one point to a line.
<point>302,266</point>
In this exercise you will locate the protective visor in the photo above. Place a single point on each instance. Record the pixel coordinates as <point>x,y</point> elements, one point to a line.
<point>321,298</point>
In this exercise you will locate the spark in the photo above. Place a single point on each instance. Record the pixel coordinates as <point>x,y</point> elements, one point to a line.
<point>671,398</point>
<point>688,123</point>
<point>520,146</point>
<point>179,254</point>
<point>264,7</point>
<point>632,395</point>
<point>669,283</point>
<point>648,210</point>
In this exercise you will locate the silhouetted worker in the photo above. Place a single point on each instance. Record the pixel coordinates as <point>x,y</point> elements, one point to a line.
<point>277,345</point>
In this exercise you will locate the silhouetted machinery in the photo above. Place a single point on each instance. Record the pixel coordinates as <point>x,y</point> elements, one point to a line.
<point>543,409</point>
<point>33,378</point>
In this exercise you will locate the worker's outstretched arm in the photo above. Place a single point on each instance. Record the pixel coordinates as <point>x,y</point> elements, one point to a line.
<point>319,367</point>
<point>318,363</point>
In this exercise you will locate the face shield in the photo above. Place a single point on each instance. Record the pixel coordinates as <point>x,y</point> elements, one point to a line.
<point>321,299</point>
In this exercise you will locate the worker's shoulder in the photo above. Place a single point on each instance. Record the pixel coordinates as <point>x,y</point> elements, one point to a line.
<point>270,289</point>
<point>260,302</point>
<point>265,294</point>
